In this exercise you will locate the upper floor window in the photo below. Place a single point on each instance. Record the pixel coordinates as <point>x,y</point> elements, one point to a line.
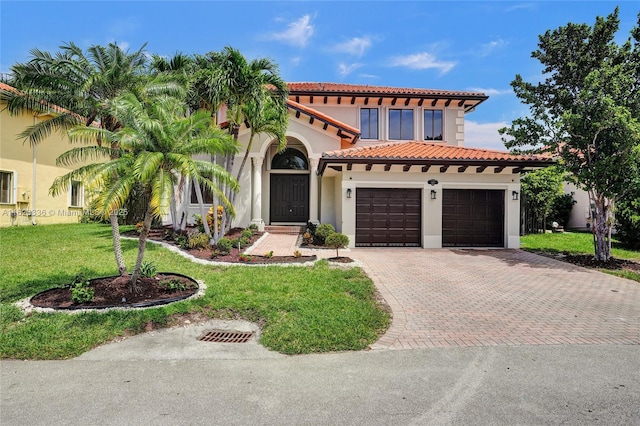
<point>369,123</point>
<point>6,187</point>
<point>401,124</point>
<point>290,158</point>
<point>433,125</point>
<point>76,194</point>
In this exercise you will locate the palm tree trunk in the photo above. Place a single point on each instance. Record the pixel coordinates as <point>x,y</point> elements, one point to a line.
<point>203,215</point>
<point>142,244</point>
<point>117,248</point>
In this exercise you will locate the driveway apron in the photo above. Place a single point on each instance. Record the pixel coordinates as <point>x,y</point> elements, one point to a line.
<point>498,297</point>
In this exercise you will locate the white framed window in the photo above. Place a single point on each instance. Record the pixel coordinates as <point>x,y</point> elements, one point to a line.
<point>7,184</point>
<point>401,124</point>
<point>433,127</point>
<point>369,123</point>
<point>77,195</point>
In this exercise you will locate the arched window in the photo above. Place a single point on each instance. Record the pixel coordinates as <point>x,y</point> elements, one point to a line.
<point>290,159</point>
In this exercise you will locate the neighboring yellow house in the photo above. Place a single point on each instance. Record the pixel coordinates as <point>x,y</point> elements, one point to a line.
<point>26,174</point>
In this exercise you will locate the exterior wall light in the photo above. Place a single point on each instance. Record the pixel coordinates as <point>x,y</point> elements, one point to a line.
<point>348,192</point>
<point>433,194</point>
<point>514,195</point>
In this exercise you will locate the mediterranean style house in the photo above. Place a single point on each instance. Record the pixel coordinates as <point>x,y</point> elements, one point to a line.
<point>26,173</point>
<point>387,167</point>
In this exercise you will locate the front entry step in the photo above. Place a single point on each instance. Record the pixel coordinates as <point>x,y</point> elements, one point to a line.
<point>283,229</point>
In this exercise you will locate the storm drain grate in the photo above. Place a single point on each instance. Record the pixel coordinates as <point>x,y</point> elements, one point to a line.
<point>226,336</point>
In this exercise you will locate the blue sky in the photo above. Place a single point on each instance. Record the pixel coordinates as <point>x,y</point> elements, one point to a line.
<point>452,45</point>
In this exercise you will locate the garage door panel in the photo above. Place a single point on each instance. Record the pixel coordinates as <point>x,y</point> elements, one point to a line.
<point>473,218</point>
<point>388,217</point>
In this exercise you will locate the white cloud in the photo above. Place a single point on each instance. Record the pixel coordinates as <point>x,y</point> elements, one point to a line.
<point>346,69</point>
<point>297,33</point>
<point>483,135</point>
<point>487,48</point>
<point>491,92</point>
<point>422,61</point>
<point>295,61</point>
<point>356,46</point>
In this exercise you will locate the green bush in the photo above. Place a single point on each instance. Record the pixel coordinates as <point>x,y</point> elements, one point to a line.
<point>323,231</point>
<point>337,241</point>
<point>247,233</point>
<point>148,269</point>
<point>224,245</point>
<point>253,227</point>
<point>561,209</point>
<point>81,292</point>
<point>628,222</point>
<point>198,240</point>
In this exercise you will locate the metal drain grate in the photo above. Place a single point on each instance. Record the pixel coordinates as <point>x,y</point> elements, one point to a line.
<point>226,336</point>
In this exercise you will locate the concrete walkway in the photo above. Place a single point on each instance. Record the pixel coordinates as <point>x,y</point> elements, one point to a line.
<point>280,244</point>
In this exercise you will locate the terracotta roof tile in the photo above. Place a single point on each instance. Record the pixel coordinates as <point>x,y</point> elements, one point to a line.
<point>416,151</point>
<point>336,88</point>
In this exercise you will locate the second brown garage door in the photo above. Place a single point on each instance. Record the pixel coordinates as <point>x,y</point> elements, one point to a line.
<point>472,218</point>
<point>388,217</point>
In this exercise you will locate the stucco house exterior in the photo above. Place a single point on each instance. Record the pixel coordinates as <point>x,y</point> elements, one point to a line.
<point>387,167</point>
<point>26,173</point>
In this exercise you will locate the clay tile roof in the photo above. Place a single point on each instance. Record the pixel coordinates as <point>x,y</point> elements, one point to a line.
<point>324,118</point>
<point>52,107</point>
<point>348,89</point>
<point>415,152</point>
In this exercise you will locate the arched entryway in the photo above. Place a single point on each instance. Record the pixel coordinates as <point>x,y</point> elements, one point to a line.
<point>289,187</point>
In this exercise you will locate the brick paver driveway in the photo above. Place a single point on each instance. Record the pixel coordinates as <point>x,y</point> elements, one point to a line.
<point>498,297</point>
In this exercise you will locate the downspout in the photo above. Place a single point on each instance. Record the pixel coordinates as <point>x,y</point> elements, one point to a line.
<point>33,187</point>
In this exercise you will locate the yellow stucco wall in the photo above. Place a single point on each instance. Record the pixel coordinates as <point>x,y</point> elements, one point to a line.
<point>32,203</point>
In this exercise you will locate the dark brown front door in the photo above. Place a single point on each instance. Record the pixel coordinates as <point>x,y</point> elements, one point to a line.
<point>388,217</point>
<point>472,218</point>
<point>289,198</point>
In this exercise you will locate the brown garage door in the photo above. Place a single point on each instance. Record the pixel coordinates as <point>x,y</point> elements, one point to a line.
<point>388,217</point>
<point>472,218</point>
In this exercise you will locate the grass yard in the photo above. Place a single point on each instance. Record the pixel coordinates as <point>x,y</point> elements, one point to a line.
<point>579,243</point>
<point>302,309</point>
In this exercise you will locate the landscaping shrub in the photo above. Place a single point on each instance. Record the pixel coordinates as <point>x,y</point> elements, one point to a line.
<point>80,290</point>
<point>224,245</point>
<point>198,240</point>
<point>247,233</point>
<point>561,209</point>
<point>337,241</point>
<point>628,222</point>
<point>323,231</point>
<point>253,227</point>
<point>148,269</point>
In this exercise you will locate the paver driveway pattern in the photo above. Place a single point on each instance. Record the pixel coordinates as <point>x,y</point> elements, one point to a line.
<point>498,297</point>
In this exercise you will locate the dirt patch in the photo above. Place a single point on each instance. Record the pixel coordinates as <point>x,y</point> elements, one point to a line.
<point>116,292</point>
<point>341,259</point>
<point>589,261</point>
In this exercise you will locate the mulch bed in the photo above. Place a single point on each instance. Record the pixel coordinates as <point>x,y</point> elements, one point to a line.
<point>116,292</point>
<point>234,256</point>
<point>341,259</point>
<point>589,261</point>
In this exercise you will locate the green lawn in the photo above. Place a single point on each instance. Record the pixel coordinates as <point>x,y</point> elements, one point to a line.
<point>578,243</point>
<point>303,309</point>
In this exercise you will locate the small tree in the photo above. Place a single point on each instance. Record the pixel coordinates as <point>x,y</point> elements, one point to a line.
<point>337,241</point>
<point>539,189</point>
<point>586,112</point>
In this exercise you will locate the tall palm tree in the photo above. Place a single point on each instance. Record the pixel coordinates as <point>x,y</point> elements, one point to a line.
<point>80,84</point>
<point>157,145</point>
<point>251,91</point>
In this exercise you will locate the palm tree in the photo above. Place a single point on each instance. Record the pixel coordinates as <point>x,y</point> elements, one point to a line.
<point>251,90</point>
<point>157,147</point>
<point>81,85</point>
